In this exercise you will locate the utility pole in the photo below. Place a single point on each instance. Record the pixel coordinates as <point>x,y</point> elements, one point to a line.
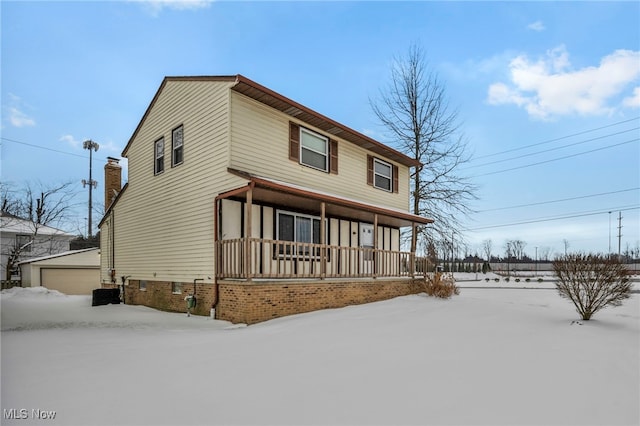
<point>619,233</point>
<point>91,146</point>
<point>536,261</point>
<point>609,233</point>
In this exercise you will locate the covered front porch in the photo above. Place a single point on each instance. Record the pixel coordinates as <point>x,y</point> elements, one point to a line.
<point>307,234</point>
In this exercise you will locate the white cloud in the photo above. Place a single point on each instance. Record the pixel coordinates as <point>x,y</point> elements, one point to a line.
<point>536,26</point>
<point>633,101</point>
<point>110,147</point>
<point>548,87</point>
<point>154,7</point>
<point>15,112</point>
<point>19,118</point>
<point>70,140</point>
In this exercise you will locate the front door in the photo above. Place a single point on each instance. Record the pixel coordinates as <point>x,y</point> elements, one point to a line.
<point>366,243</point>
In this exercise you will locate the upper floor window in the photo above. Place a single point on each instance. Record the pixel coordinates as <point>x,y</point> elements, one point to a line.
<point>22,242</point>
<point>382,175</point>
<point>177,146</point>
<point>313,149</point>
<point>159,156</point>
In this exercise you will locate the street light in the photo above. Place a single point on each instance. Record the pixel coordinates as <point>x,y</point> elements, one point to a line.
<point>91,146</point>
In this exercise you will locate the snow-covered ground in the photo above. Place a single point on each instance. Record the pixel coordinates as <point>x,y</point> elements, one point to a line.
<point>485,357</point>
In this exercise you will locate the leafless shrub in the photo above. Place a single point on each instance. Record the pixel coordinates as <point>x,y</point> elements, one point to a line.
<point>440,285</point>
<point>592,282</point>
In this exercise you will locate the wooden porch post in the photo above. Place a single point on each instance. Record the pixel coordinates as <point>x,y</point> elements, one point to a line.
<point>323,242</point>
<point>247,232</point>
<point>375,245</point>
<point>216,248</point>
<point>412,255</point>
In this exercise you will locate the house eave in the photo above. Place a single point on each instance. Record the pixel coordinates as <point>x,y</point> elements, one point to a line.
<point>282,193</point>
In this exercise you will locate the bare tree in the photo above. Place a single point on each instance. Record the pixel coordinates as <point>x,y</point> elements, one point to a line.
<point>38,206</point>
<point>509,249</point>
<point>487,245</point>
<point>592,282</point>
<point>518,248</point>
<point>414,110</point>
<point>544,253</point>
<point>566,245</point>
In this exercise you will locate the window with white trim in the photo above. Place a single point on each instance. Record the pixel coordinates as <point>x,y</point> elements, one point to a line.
<point>22,242</point>
<point>177,151</point>
<point>142,284</point>
<point>299,228</point>
<point>382,175</point>
<point>159,156</point>
<point>314,150</point>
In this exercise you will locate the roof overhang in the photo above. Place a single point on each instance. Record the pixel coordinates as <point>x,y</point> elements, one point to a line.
<point>273,192</point>
<point>300,112</point>
<point>266,96</point>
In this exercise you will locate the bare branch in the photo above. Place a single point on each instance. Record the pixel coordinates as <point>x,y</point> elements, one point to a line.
<point>415,111</point>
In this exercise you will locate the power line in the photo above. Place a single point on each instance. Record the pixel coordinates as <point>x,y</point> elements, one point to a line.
<point>50,149</point>
<point>557,159</point>
<point>552,149</point>
<point>556,139</point>
<point>560,200</point>
<point>549,219</point>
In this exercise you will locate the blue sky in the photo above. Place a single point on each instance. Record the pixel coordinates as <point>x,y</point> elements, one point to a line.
<point>560,77</point>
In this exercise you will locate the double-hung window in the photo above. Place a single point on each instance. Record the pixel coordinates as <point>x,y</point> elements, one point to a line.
<point>297,228</point>
<point>382,175</point>
<point>22,243</point>
<point>314,150</point>
<point>159,156</point>
<point>177,146</point>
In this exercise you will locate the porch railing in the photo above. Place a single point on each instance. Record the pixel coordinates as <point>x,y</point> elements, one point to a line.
<point>263,258</point>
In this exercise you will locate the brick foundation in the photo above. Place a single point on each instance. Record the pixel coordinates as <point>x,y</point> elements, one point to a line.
<point>250,303</point>
<point>158,295</point>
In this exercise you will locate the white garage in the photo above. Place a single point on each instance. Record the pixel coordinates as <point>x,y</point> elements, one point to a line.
<point>72,272</point>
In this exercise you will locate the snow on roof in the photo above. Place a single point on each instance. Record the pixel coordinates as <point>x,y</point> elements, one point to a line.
<point>65,253</point>
<point>16,225</point>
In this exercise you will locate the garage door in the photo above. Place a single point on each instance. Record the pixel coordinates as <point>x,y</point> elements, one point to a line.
<point>70,281</point>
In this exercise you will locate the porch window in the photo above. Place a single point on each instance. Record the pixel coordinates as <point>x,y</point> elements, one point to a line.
<point>382,175</point>
<point>177,146</point>
<point>297,228</point>
<point>159,156</point>
<point>314,150</point>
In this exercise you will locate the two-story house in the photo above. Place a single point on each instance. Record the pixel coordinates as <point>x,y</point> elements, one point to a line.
<point>260,205</point>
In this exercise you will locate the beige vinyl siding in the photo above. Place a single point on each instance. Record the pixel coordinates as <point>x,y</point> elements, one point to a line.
<point>164,224</point>
<point>260,145</point>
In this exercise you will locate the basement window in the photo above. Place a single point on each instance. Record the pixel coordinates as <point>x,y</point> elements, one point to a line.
<point>176,288</point>
<point>142,285</point>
